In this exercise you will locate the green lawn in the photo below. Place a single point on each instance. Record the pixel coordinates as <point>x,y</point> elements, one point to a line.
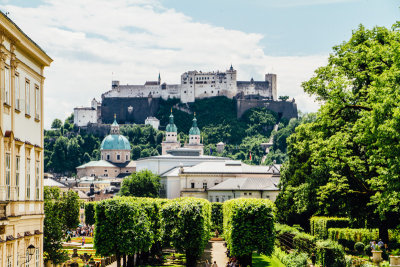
<point>262,261</point>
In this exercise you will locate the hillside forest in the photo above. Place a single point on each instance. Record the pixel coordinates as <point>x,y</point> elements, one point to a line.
<point>67,146</point>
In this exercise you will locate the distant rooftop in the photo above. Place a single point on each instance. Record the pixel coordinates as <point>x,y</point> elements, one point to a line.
<point>251,184</point>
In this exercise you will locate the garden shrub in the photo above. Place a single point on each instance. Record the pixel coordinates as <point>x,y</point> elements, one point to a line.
<point>248,227</point>
<point>359,247</point>
<point>330,253</point>
<point>320,225</point>
<point>304,243</point>
<point>187,224</point>
<point>217,218</point>
<point>293,259</point>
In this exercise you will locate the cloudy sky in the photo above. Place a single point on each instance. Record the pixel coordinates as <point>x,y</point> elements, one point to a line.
<point>95,41</point>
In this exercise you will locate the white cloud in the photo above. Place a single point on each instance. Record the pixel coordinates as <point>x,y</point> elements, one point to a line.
<point>89,40</point>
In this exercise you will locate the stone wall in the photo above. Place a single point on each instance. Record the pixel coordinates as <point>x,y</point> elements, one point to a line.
<point>285,109</point>
<point>128,110</point>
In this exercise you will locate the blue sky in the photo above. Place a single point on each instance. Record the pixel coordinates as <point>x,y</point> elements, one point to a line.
<point>293,28</point>
<point>95,41</point>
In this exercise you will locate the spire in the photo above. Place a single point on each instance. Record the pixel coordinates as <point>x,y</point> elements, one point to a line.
<point>159,78</point>
<point>171,127</point>
<point>115,126</point>
<point>195,129</point>
<point>231,68</point>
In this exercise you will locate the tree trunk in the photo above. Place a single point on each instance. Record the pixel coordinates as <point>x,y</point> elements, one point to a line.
<point>384,232</point>
<point>131,261</point>
<point>124,260</point>
<point>118,259</point>
<point>246,260</point>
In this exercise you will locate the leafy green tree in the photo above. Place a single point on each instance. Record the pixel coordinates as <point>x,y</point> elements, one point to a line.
<point>249,227</point>
<point>90,213</point>
<point>283,97</point>
<point>52,237</point>
<point>187,224</point>
<point>56,124</point>
<point>70,205</point>
<point>141,184</point>
<point>345,163</point>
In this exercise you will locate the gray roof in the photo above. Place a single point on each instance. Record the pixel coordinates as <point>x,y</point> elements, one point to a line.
<point>168,156</point>
<point>231,166</point>
<point>52,183</point>
<point>96,163</point>
<point>251,184</point>
<point>171,172</point>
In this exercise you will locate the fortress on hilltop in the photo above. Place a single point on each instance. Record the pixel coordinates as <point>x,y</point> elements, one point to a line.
<point>135,103</point>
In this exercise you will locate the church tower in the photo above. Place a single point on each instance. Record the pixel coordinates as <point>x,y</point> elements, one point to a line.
<point>194,137</point>
<point>171,136</point>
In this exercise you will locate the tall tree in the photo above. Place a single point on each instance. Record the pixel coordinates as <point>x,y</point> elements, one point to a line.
<point>346,162</point>
<point>141,184</point>
<point>52,240</point>
<point>70,204</point>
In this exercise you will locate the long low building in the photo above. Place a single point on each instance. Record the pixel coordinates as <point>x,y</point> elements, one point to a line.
<point>213,179</point>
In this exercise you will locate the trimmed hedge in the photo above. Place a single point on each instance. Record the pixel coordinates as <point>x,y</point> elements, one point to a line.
<point>217,218</point>
<point>348,237</point>
<point>248,227</point>
<point>319,225</point>
<point>330,253</point>
<point>187,224</point>
<point>90,213</point>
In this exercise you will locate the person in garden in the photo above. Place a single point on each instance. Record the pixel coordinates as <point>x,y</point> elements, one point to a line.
<point>215,264</point>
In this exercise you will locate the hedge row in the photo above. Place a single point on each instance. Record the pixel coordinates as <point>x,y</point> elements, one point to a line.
<point>129,226</point>
<point>319,225</point>
<point>248,227</point>
<point>328,253</point>
<point>348,237</point>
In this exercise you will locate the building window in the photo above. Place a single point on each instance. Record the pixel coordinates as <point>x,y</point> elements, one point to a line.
<point>245,194</point>
<point>17,170</point>
<point>37,102</point>
<point>27,97</point>
<point>108,157</point>
<point>37,180</point>
<point>28,179</point>
<point>105,170</point>
<point>7,86</point>
<point>250,194</point>
<point>9,261</point>
<point>216,199</point>
<point>118,157</point>
<point>210,198</point>
<point>16,88</point>
<point>37,260</point>
<point>192,185</point>
<point>205,185</point>
<point>8,175</point>
<point>215,183</point>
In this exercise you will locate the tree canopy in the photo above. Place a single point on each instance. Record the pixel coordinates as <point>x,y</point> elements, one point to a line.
<point>345,163</point>
<point>141,184</point>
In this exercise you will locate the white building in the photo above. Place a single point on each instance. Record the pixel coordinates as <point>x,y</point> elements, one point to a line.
<point>153,121</point>
<point>86,115</point>
<point>21,147</point>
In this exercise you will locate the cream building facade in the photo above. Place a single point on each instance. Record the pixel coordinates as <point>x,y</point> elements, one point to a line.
<point>21,147</point>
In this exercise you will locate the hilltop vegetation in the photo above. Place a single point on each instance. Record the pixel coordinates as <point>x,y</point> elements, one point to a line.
<point>67,146</point>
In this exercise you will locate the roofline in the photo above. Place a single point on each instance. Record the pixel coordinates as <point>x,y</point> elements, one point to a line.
<point>23,40</point>
<point>241,189</point>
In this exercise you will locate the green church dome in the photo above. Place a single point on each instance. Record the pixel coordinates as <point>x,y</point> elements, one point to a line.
<point>171,127</point>
<point>194,130</point>
<point>115,142</point>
